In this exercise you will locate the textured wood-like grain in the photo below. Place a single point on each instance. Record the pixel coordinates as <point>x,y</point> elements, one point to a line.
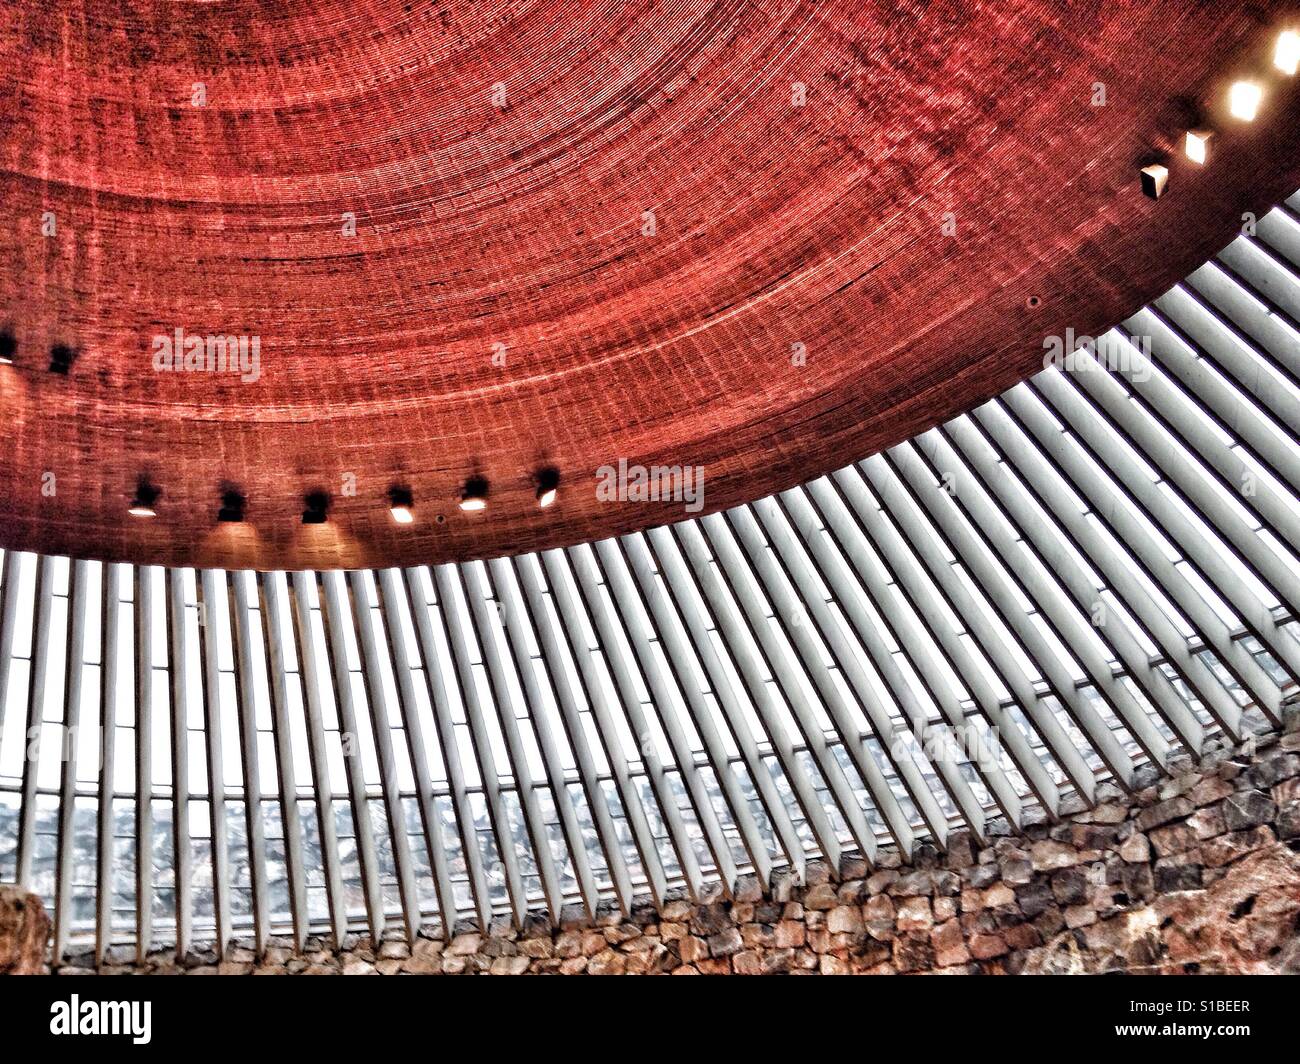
<point>522,225</point>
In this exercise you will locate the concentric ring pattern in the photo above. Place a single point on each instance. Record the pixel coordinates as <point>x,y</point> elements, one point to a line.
<point>483,237</point>
<point>1085,576</point>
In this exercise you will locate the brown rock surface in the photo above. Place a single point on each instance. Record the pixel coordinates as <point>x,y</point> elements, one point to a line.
<point>24,932</point>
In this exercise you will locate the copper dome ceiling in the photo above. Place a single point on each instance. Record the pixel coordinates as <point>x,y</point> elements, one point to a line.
<point>486,239</point>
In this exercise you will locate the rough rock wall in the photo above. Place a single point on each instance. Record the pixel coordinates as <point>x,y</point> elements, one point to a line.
<point>1195,873</point>
<point>24,932</point>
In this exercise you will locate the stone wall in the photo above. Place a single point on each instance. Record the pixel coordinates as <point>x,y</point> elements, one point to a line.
<point>24,932</point>
<point>1195,873</point>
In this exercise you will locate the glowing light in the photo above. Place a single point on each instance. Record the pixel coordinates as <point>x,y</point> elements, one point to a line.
<point>1197,145</point>
<point>401,504</point>
<point>474,495</point>
<point>1286,57</point>
<point>1154,180</point>
<point>145,497</point>
<point>1244,99</point>
<point>548,485</point>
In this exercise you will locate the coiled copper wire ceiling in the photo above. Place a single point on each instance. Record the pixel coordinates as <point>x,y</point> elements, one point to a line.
<point>765,238</point>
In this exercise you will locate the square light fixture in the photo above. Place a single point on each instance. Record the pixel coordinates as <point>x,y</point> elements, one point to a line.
<point>1286,56</point>
<point>474,495</point>
<point>317,508</point>
<point>1154,179</point>
<point>1244,99</point>
<point>401,504</point>
<point>1197,145</point>
<point>548,486</point>
<point>146,497</point>
<point>61,358</point>
<point>232,507</point>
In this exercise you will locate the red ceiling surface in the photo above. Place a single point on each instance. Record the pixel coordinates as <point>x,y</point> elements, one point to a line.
<point>800,302</point>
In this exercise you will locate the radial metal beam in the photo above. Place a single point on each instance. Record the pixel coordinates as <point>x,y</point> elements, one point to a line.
<point>618,657</point>
<point>392,601</point>
<point>436,671</point>
<point>992,423</point>
<point>483,622</point>
<point>38,678</point>
<point>109,631</point>
<point>915,588</point>
<point>639,627</point>
<point>9,601</point>
<point>75,660</point>
<point>329,593</point>
<point>245,693</point>
<point>271,592</point>
<point>178,665</point>
<point>515,623</point>
<point>1207,556</point>
<point>315,676</point>
<point>1136,536</point>
<point>779,727</point>
<point>558,655</point>
<point>212,613</point>
<point>382,732</point>
<point>789,670</point>
<point>567,602</point>
<point>679,585</point>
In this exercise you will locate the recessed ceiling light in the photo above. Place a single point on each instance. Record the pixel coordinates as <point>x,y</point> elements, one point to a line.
<point>146,496</point>
<point>401,506</point>
<point>232,507</point>
<point>8,348</point>
<point>548,485</point>
<point>474,495</point>
<point>1197,145</point>
<point>318,504</point>
<point>1154,179</point>
<point>1286,57</point>
<point>1243,100</point>
<point>61,358</point>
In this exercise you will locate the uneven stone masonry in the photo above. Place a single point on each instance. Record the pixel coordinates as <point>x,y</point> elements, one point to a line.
<point>1197,872</point>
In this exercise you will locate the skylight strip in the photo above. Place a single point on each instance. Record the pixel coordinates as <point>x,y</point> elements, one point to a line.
<point>245,687</point>
<point>1025,454</point>
<point>613,646</point>
<point>780,658</point>
<point>437,669</point>
<point>382,734</point>
<point>1059,557</point>
<point>914,580</point>
<point>517,629</point>
<point>482,614</point>
<point>1134,531</point>
<point>211,613</point>
<point>522,575</point>
<point>696,642</point>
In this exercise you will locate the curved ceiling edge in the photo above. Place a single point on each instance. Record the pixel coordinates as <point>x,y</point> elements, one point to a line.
<point>772,339</point>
